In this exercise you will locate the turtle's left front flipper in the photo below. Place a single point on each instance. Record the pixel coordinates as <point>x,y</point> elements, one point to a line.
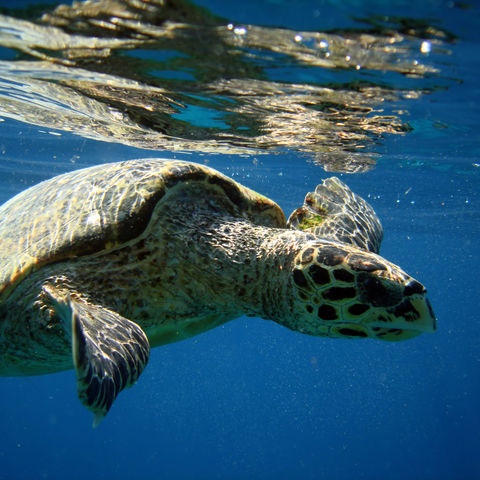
<point>109,351</point>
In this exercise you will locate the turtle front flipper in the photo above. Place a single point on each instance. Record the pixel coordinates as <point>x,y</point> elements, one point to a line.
<point>334,212</point>
<point>109,351</point>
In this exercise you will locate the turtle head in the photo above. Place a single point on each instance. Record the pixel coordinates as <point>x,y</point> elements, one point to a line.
<point>343,291</point>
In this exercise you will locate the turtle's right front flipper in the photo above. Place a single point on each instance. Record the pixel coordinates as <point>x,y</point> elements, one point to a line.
<point>334,212</point>
<point>109,351</point>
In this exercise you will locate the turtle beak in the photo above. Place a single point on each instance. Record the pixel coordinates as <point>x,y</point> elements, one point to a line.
<point>415,295</point>
<point>427,321</point>
<point>413,316</point>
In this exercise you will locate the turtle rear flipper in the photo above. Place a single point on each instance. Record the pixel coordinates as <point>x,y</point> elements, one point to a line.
<point>334,212</point>
<point>109,351</point>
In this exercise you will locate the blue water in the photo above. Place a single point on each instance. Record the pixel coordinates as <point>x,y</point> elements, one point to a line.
<point>253,400</point>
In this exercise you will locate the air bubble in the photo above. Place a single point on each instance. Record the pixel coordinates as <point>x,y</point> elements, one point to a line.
<point>426,47</point>
<point>240,31</point>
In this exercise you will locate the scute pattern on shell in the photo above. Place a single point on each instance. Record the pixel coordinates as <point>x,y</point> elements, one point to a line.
<point>87,211</point>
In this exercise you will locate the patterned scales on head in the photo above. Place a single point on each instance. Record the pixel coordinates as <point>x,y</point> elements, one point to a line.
<point>107,261</point>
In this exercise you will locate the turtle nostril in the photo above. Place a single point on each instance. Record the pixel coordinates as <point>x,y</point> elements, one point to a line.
<point>413,287</point>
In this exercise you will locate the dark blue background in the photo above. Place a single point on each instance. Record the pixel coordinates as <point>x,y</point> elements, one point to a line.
<point>252,399</point>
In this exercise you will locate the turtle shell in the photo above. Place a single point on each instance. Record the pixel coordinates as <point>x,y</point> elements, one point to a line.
<point>99,208</point>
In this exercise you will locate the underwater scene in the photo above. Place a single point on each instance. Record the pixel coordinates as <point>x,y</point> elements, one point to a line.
<point>375,97</point>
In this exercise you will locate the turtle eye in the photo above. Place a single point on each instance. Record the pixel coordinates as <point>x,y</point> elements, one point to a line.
<point>377,292</point>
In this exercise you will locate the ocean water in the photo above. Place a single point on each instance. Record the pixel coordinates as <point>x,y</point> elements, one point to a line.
<point>278,95</point>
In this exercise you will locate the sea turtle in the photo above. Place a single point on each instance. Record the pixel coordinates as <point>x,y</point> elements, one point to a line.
<point>100,264</point>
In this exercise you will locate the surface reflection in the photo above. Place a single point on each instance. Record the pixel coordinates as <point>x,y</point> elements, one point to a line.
<point>170,75</point>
